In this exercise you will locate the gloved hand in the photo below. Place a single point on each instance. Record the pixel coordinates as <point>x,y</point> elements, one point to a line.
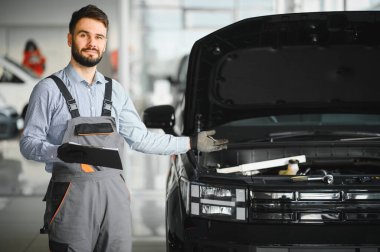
<point>68,154</point>
<point>204,142</point>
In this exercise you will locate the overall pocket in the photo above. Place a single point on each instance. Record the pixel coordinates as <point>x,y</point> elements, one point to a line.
<point>94,134</point>
<point>88,129</point>
<point>72,215</point>
<point>60,191</point>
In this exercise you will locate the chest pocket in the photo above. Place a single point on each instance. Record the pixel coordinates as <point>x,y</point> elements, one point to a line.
<point>92,129</point>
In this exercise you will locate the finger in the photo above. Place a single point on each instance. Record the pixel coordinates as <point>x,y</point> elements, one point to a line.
<point>220,147</point>
<point>210,132</point>
<point>221,141</point>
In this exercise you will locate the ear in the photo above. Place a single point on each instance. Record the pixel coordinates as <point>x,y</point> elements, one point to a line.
<point>69,39</point>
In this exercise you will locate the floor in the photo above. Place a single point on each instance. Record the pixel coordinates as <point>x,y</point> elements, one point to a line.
<point>23,184</point>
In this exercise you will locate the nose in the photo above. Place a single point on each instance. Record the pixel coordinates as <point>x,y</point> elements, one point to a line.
<point>91,41</point>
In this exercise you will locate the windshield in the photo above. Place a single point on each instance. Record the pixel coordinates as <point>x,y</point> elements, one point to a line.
<point>307,127</point>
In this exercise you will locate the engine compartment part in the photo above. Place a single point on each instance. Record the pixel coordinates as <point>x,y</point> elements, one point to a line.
<point>357,163</point>
<point>244,168</point>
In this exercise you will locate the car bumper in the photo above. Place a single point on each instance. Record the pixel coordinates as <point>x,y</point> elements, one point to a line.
<point>205,235</point>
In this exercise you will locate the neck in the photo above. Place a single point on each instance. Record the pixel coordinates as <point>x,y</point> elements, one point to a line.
<point>87,73</point>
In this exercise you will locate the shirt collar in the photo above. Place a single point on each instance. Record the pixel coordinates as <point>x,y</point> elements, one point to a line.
<point>74,77</point>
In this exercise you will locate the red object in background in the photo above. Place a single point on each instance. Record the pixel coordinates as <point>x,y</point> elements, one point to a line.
<point>33,59</point>
<point>114,58</point>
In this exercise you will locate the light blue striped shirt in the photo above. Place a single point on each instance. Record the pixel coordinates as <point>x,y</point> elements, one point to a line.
<point>48,115</point>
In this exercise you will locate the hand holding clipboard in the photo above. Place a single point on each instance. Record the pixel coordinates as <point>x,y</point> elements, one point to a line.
<point>85,154</point>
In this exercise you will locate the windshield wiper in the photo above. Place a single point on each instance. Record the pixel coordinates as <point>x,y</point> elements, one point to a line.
<point>339,135</point>
<point>291,134</point>
<point>354,135</point>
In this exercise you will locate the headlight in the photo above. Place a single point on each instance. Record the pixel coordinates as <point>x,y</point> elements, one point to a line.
<point>218,202</point>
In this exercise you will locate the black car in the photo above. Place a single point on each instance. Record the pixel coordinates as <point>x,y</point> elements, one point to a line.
<point>298,97</point>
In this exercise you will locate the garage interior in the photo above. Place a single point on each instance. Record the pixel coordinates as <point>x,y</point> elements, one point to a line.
<point>147,40</point>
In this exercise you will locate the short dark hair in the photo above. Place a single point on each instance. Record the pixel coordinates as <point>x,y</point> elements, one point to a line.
<point>89,11</point>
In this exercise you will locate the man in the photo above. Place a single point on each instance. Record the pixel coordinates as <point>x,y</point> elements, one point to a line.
<point>87,202</point>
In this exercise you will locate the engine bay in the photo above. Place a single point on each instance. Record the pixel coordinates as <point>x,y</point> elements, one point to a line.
<point>319,162</point>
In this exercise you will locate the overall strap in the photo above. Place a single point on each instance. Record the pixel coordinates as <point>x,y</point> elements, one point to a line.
<point>70,101</point>
<point>107,102</point>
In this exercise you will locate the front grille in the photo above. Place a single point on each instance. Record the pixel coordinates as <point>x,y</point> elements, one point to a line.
<point>315,206</point>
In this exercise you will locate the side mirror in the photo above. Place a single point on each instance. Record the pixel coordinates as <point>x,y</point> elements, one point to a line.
<point>160,117</point>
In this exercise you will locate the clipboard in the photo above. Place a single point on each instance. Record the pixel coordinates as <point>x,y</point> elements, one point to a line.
<point>86,154</point>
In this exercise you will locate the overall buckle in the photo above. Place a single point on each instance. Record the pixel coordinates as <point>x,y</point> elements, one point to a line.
<point>72,105</point>
<point>107,104</point>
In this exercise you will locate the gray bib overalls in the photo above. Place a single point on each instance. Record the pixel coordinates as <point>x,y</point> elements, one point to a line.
<point>88,206</point>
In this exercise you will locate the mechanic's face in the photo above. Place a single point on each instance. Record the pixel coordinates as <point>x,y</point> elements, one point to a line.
<point>88,42</point>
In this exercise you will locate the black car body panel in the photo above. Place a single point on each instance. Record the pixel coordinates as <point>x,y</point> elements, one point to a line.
<point>284,86</point>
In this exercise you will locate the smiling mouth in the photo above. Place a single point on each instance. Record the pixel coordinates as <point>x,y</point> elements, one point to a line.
<point>90,51</point>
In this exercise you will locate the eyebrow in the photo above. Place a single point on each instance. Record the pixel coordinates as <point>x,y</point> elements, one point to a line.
<point>87,32</point>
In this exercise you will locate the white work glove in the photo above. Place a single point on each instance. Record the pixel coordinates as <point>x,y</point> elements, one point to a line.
<point>204,142</point>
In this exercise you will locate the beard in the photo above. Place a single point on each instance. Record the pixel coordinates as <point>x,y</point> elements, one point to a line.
<point>83,60</point>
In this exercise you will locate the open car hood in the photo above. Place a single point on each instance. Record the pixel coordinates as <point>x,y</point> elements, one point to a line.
<point>284,64</point>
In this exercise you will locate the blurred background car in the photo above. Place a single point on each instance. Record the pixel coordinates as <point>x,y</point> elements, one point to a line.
<point>16,84</point>
<point>10,122</point>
